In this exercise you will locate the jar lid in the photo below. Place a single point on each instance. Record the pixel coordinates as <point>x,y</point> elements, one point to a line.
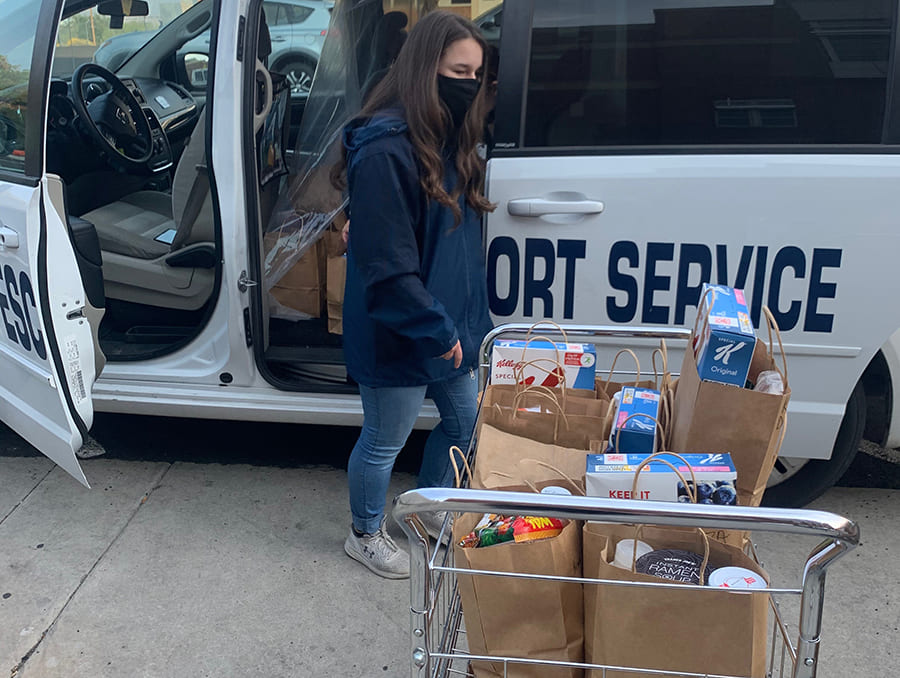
<point>675,564</point>
<point>736,578</point>
<point>556,489</point>
<point>625,552</point>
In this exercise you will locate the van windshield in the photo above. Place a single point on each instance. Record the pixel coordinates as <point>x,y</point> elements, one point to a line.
<point>87,36</point>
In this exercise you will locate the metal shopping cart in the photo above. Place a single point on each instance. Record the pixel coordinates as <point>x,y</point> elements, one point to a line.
<point>437,634</point>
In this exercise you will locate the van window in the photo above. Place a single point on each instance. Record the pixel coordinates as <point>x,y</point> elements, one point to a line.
<point>18,25</point>
<point>281,14</point>
<point>707,72</point>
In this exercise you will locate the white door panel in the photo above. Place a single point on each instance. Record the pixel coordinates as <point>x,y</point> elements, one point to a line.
<point>812,236</point>
<point>31,401</point>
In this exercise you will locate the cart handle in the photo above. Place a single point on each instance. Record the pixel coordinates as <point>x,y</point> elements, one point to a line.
<point>628,511</point>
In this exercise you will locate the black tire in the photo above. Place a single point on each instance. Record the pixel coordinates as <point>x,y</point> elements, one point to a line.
<point>299,72</point>
<point>817,475</point>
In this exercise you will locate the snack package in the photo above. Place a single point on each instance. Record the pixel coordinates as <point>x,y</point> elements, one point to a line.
<point>491,529</point>
<point>531,528</point>
<point>496,529</point>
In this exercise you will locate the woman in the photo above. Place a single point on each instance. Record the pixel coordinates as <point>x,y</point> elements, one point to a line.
<point>415,305</point>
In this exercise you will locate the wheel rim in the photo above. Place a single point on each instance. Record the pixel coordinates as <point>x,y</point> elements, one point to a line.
<point>300,79</point>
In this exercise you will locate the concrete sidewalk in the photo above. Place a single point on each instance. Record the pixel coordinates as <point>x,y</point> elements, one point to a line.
<point>220,571</point>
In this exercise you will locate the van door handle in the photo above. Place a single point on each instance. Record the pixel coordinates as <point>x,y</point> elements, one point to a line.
<point>9,239</point>
<point>538,207</point>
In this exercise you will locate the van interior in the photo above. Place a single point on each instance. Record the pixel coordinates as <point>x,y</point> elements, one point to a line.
<point>141,201</point>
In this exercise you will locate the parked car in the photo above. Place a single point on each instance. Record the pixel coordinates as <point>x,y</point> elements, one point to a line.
<point>297,29</point>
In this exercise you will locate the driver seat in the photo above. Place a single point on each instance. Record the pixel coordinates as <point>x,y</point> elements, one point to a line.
<point>159,249</point>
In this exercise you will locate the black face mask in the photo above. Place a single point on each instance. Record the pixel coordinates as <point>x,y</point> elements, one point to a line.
<point>458,95</point>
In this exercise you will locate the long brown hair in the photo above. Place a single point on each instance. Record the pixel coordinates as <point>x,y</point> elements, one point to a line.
<point>412,83</point>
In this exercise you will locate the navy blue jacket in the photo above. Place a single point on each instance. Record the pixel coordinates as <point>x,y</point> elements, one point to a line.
<point>415,284</point>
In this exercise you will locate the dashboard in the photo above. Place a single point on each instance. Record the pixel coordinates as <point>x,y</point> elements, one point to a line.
<point>173,106</point>
<point>170,109</point>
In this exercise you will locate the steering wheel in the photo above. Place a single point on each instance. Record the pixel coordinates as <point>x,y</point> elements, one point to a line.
<point>114,120</point>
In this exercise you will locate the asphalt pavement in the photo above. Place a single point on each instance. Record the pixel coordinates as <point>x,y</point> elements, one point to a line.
<point>215,549</point>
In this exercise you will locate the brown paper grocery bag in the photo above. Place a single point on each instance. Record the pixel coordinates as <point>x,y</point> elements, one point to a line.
<point>570,400</point>
<point>301,288</point>
<point>334,293</point>
<point>552,425</point>
<point>697,630</point>
<point>748,424</point>
<point>526,618</point>
<point>498,454</point>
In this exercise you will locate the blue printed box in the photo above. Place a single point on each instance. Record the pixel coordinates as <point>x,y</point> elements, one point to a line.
<point>635,421</point>
<point>724,349</point>
<point>612,476</point>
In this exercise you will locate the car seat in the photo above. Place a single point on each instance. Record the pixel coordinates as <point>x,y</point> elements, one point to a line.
<point>159,249</point>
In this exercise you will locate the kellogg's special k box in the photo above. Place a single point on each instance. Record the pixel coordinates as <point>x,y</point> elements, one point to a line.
<point>724,349</point>
<point>540,363</point>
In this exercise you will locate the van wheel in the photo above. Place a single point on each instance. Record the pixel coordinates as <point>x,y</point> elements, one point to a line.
<point>299,73</point>
<point>796,482</point>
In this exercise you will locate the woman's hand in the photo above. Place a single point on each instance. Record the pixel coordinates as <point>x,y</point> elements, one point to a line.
<point>454,354</point>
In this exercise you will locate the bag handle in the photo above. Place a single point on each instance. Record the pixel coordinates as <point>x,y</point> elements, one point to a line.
<point>579,491</point>
<point>557,371</point>
<point>454,453</point>
<point>554,393</point>
<point>658,457</point>
<point>637,364</point>
<point>560,413</point>
<point>540,337</point>
<point>663,377</point>
<point>552,324</point>
<point>638,533</point>
<point>645,416</point>
<point>667,415</point>
<point>772,327</point>
<point>666,394</point>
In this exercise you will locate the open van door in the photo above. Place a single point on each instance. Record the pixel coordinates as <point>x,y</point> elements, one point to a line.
<point>47,347</point>
<point>48,359</point>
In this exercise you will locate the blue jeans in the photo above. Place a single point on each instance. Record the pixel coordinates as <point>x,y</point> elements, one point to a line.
<point>389,416</point>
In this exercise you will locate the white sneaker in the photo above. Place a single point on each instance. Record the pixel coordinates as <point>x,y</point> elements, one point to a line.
<point>379,553</point>
<point>433,521</point>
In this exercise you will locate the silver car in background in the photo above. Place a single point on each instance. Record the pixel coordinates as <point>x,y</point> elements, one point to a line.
<point>297,29</point>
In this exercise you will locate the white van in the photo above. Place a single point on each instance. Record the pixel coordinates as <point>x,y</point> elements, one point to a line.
<point>640,148</point>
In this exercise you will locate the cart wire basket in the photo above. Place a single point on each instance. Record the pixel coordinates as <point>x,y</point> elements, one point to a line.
<point>438,647</point>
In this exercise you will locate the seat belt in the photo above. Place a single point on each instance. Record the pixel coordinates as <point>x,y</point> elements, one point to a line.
<point>196,198</point>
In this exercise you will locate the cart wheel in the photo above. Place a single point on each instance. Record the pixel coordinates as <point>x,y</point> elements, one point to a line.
<point>796,482</point>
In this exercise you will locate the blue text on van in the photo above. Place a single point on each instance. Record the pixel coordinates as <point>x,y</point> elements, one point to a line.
<point>634,278</point>
<point>17,301</point>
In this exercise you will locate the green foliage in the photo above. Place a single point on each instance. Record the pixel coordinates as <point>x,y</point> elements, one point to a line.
<point>11,75</point>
